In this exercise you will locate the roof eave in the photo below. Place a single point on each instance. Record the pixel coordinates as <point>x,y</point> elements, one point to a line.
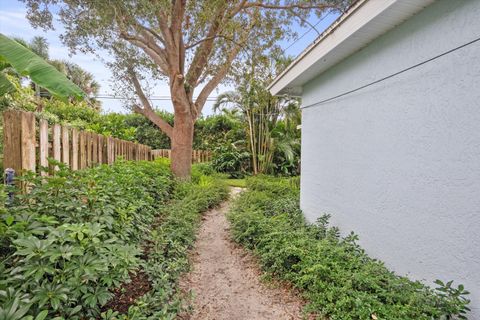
<point>341,40</point>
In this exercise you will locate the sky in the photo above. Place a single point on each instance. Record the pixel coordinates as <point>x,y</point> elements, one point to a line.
<point>13,23</point>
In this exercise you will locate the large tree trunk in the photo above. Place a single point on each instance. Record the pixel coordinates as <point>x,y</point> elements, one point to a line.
<point>182,142</point>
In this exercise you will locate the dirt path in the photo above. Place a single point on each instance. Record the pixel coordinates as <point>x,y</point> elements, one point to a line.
<point>225,279</point>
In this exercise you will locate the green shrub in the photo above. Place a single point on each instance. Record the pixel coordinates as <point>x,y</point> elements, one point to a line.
<point>201,169</point>
<point>228,159</point>
<point>335,275</point>
<point>169,243</point>
<point>76,235</point>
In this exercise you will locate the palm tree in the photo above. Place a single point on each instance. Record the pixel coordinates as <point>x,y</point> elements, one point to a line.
<point>40,46</point>
<point>81,78</point>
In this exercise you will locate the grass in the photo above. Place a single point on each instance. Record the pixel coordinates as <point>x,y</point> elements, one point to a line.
<point>240,183</point>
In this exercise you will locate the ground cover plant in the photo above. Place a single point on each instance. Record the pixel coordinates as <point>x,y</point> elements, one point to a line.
<point>77,236</point>
<point>335,275</point>
<point>168,247</point>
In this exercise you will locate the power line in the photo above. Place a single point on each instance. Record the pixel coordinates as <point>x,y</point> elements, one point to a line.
<point>153,98</point>
<point>392,75</point>
<point>306,32</point>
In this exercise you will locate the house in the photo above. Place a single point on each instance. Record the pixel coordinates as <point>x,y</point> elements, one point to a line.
<point>391,134</point>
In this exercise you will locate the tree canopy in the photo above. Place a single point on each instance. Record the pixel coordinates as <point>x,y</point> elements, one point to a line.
<point>191,44</point>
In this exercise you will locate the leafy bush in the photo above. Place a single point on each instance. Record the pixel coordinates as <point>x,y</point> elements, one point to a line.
<point>201,169</point>
<point>227,159</point>
<point>335,275</point>
<point>169,244</point>
<point>75,235</point>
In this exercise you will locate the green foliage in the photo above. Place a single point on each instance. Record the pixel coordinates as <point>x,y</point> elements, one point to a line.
<point>79,114</point>
<point>217,130</point>
<point>228,159</point>
<point>170,243</point>
<point>115,125</point>
<point>27,63</point>
<point>335,275</point>
<point>269,123</point>
<point>148,133</point>
<point>75,235</point>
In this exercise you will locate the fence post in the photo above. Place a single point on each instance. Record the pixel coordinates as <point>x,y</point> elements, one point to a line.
<point>19,140</point>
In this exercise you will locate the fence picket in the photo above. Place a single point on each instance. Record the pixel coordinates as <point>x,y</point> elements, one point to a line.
<point>77,149</point>
<point>43,145</point>
<point>100,149</point>
<point>94,138</point>
<point>83,150</point>
<point>56,140</point>
<point>74,152</point>
<point>65,146</point>
<point>28,141</point>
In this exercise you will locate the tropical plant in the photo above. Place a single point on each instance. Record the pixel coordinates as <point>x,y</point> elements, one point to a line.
<point>270,122</point>
<point>39,45</point>
<point>78,235</point>
<point>27,63</point>
<point>190,44</point>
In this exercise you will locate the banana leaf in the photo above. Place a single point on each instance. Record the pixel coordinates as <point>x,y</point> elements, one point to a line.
<point>41,72</point>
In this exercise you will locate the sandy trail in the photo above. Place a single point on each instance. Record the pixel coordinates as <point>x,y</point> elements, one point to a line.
<point>225,279</point>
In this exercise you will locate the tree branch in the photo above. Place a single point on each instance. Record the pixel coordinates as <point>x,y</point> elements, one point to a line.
<point>147,109</point>
<point>150,48</point>
<point>214,82</point>
<point>196,43</point>
<point>202,53</point>
<point>153,33</point>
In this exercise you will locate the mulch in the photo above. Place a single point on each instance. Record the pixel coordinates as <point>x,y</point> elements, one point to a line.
<point>128,293</point>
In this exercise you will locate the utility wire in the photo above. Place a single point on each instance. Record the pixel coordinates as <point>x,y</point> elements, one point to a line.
<point>306,32</point>
<point>159,98</point>
<point>392,75</point>
<point>113,97</point>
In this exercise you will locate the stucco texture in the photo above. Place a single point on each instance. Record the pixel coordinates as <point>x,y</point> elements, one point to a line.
<point>398,163</point>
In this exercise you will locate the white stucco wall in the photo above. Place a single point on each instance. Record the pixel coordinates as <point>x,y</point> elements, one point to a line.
<point>398,163</point>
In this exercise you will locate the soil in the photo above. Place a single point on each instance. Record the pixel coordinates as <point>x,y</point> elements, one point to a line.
<point>225,279</point>
<point>128,293</point>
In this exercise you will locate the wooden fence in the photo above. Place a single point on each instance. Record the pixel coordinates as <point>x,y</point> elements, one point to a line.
<point>26,147</point>
<point>197,155</point>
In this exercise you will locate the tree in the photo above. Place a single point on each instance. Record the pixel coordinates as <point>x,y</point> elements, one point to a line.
<point>81,78</point>
<point>40,46</point>
<point>192,44</point>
